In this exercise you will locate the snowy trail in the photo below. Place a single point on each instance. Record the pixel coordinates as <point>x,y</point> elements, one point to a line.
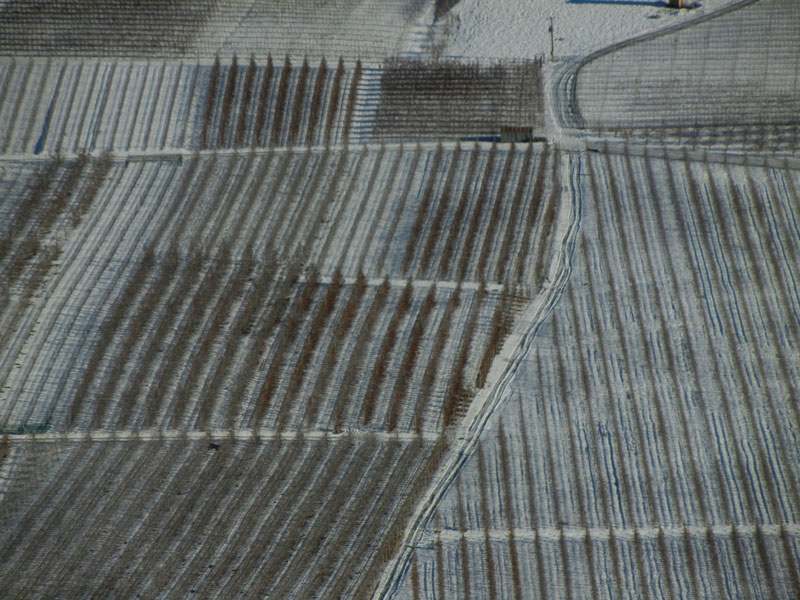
<point>503,373</point>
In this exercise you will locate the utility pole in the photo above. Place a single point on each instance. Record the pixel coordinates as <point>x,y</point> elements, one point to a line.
<point>551,38</point>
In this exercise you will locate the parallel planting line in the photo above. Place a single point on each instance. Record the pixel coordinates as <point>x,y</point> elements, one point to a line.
<point>494,219</point>
<point>715,363</point>
<point>45,514</point>
<point>227,102</point>
<point>434,234</point>
<point>425,390</point>
<point>382,361</point>
<point>345,394</point>
<point>359,214</point>
<point>463,549</point>
<point>380,263</point>
<point>608,270</point>
<point>533,209</point>
<point>324,500</point>
<point>422,211</point>
<point>102,235</point>
<point>588,394</point>
<point>284,337</point>
<point>551,475</point>
<point>156,515</point>
<point>671,346</point>
<point>194,488</point>
<point>509,510</point>
<point>574,457</point>
<point>409,360</point>
<point>328,364</point>
<point>532,511</point>
<point>299,97</point>
<point>316,329</point>
<point>314,475</point>
<point>316,101</point>
<point>280,103</point>
<point>212,521</point>
<point>457,396</point>
<point>261,115</point>
<point>112,511</point>
<point>183,525</point>
<point>355,537</point>
<point>237,527</point>
<point>48,543</point>
<point>477,215</point>
<point>388,188</point>
<point>447,268</point>
<point>491,575</point>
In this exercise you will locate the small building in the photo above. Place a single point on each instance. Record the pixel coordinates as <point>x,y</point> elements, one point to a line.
<point>677,3</point>
<point>516,135</point>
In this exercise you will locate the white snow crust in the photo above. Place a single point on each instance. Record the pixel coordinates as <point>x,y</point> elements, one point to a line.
<point>519,28</point>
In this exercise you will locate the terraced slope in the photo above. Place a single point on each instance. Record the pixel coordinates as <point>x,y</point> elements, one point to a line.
<point>648,445</point>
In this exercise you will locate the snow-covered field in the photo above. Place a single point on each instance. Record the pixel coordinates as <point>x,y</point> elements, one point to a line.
<point>519,28</point>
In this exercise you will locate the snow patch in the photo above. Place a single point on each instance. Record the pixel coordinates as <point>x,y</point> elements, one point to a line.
<point>519,28</point>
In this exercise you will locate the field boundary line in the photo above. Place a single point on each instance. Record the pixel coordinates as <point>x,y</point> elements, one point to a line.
<point>679,152</point>
<point>155,435</point>
<point>579,534</point>
<point>171,154</point>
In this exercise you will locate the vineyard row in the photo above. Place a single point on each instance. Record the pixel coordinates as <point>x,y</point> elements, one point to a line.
<point>72,105</point>
<point>105,515</point>
<point>217,316</point>
<point>184,28</point>
<point>659,398</point>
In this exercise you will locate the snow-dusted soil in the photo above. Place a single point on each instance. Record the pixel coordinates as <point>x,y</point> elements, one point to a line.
<point>648,443</point>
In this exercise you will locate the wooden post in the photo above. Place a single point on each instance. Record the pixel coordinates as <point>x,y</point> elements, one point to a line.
<point>552,45</point>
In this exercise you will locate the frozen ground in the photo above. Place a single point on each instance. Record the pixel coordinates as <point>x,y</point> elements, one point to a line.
<point>519,28</point>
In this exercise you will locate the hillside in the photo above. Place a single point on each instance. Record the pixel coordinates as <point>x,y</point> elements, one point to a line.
<point>331,299</point>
